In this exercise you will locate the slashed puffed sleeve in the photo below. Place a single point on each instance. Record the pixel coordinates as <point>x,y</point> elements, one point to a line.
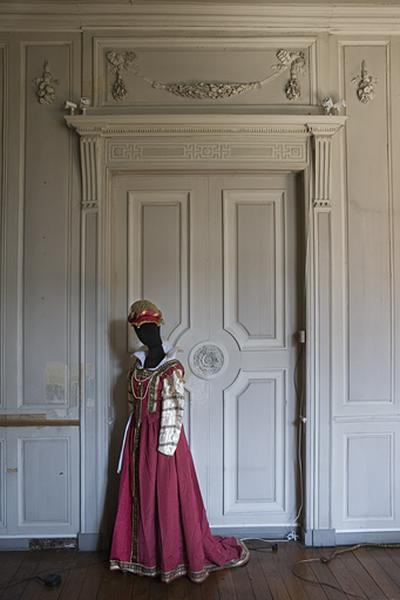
<point>130,394</point>
<point>171,411</point>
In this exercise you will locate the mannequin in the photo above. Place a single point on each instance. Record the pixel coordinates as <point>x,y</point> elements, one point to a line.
<point>149,335</point>
<point>161,527</point>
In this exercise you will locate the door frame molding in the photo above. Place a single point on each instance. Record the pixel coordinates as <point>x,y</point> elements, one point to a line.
<point>213,142</point>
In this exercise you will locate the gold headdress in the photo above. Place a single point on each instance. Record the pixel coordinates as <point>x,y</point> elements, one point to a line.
<point>144,311</point>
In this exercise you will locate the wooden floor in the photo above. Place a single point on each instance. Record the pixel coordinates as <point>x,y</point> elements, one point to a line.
<point>372,573</point>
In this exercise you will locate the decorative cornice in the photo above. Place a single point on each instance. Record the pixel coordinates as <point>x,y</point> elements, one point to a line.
<point>204,125</point>
<point>237,18</point>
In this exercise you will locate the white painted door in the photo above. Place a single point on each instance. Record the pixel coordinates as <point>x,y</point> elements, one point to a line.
<point>219,255</point>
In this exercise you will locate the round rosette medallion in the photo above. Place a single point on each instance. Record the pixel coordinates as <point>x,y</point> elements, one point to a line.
<point>207,360</point>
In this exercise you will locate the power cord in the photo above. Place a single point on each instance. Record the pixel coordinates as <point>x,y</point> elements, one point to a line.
<point>54,579</point>
<point>326,560</point>
<point>49,579</point>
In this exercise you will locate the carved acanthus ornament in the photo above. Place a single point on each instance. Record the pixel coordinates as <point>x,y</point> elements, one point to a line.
<point>210,90</point>
<point>365,84</point>
<point>45,86</point>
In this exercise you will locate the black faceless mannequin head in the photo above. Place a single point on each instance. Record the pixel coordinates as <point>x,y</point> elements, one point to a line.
<point>149,335</point>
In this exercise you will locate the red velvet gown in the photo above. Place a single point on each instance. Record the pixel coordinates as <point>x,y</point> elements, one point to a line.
<point>161,527</point>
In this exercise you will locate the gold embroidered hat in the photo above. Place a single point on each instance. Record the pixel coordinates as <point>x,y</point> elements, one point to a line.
<point>144,311</point>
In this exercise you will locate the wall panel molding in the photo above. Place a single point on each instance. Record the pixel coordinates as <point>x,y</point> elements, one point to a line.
<point>366,458</point>
<point>173,226</point>
<point>3,506</point>
<point>3,206</point>
<point>370,349</point>
<point>263,396</point>
<point>238,205</point>
<point>52,384</point>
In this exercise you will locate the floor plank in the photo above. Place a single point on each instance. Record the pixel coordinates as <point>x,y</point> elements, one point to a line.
<point>370,564</point>
<point>371,573</point>
<point>363,578</point>
<point>295,552</point>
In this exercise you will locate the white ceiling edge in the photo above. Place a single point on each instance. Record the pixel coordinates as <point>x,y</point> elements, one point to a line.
<point>208,17</point>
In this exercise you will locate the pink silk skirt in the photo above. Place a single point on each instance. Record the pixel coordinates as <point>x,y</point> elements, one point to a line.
<point>161,526</point>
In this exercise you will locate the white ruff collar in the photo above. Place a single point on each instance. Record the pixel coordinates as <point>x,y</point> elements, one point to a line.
<point>141,354</point>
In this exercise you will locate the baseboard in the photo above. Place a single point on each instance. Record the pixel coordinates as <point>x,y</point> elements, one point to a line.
<point>14,544</point>
<point>272,533</point>
<point>318,537</point>
<point>332,537</point>
<point>369,537</point>
<point>90,542</point>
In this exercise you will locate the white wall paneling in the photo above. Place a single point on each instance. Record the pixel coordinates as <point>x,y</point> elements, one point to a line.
<point>247,268</point>
<point>370,335</point>
<point>255,466</point>
<point>3,190</point>
<point>366,476</point>
<point>3,517</point>
<point>365,403</point>
<point>158,222</point>
<point>40,277</point>
<point>42,486</point>
<point>44,221</point>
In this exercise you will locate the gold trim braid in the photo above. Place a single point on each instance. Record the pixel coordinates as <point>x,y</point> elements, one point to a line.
<point>183,569</point>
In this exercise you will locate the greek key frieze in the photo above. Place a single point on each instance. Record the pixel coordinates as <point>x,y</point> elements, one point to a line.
<point>273,151</point>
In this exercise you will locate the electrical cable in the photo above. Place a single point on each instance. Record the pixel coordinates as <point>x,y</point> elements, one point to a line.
<point>48,577</point>
<point>327,559</point>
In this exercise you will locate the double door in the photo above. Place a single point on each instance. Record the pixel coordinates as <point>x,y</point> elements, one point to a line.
<point>220,255</point>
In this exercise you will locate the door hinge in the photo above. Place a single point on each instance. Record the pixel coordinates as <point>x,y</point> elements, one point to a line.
<point>301,336</point>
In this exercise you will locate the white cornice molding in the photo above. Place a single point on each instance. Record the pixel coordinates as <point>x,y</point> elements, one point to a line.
<point>203,124</point>
<point>238,19</point>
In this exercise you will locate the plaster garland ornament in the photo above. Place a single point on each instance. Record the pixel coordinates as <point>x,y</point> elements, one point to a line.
<point>211,90</point>
<point>296,61</point>
<point>46,86</point>
<point>365,84</point>
<point>206,360</point>
<point>119,62</point>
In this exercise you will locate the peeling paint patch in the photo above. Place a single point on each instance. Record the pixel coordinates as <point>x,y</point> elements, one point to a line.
<point>90,384</point>
<point>55,382</point>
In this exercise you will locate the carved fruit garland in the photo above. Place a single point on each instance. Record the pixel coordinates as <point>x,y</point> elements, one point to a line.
<point>120,61</point>
<point>45,86</point>
<point>209,90</point>
<point>365,85</point>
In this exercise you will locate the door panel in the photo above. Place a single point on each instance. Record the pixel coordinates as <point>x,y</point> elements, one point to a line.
<point>42,489</point>
<point>218,254</point>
